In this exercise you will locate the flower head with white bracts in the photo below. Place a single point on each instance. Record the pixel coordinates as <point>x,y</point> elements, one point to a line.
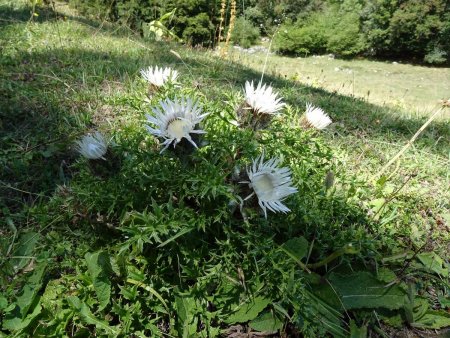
<point>92,146</point>
<point>316,117</point>
<point>270,183</point>
<point>262,99</point>
<point>174,120</point>
<point>159,76</point>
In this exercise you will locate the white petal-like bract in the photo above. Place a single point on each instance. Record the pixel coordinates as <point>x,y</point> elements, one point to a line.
<point>159,76</point>
<point>316,117</point>
<point>271,184</point>
<point>92,146</point>
<point>174,120</point>
<point>262,99</point>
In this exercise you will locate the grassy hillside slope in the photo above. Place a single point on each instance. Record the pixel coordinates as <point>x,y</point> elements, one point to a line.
<point>141,245</point>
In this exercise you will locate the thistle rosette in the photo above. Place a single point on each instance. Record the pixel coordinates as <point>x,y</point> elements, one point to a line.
<point>270,183</point>
<point>262,99</point>
<point>158,77</point>
<point>175,120</point>
<point>261,104</point>
<point>315,117</point>
<point>92,146</point>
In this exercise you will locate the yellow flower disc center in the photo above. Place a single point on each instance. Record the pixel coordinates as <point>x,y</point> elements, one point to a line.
<point>178,128</point>
<point>263,186</point>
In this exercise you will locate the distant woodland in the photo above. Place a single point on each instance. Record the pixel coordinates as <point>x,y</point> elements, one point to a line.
<point>414,30</point>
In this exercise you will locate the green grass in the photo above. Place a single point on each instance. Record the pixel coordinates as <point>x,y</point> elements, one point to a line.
<point>145,243</point>
<point>416,90</point>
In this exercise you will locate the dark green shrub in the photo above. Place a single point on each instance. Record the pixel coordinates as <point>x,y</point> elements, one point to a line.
<point>436,56</point>
<point>194,20</point>
<point>347,39</point>
<point>254,15</point>
<point>245,34</point>
<point>311,38</point>
<point>199,30</point>
<point>408,29</point>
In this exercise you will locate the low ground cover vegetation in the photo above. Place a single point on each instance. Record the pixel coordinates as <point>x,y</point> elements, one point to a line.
<point>203,198</point>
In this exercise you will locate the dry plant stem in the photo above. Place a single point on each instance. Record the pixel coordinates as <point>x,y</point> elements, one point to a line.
<point>410,142</point>
<point>223,5</point>
<point>267,55</point>
<point>231,25</point>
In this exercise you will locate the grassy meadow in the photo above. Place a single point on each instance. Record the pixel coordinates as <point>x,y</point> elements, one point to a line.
<point>147,244</point>
<point>411,88</point>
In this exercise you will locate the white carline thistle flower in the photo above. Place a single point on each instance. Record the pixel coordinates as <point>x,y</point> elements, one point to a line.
<point>158,77</point>
<point>270,183</point>
<point>92,146</point>
<point>174,120</point>
<point>316,117</point>
<point>262,99</point>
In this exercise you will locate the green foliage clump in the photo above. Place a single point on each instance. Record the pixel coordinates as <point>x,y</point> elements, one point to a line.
<point>194,20</point>
<point>346,39</point>
<point>308,39</point>
<point>199,30</point>
<point>336,30</point>
<point>436,57</point>
<point>245,34</point>
<point>407,29</point>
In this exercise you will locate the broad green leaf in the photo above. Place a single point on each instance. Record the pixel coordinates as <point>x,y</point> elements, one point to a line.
<point>444,301</point>
<point>3,302</point>
<point>296,247</point>
<point>392,318</point>
<point>99,268</point>
<point>24,249</point>
<point>357,332</point>
<point>325,315</point>
<point>74,302</point>
<point>386,275</point>
<point>433,320</point>
<point>88,317</point>
<point>184,306</point>
<point>17,323</point>
<point>266,322</point>
<point>248,311</point>
<point>31,288</point>
<point>362,290</point>
<point>419,307</point>
<point>433,263</point>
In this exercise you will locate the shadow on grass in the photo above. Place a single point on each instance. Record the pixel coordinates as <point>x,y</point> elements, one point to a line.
<point>10,14</point>
<point>45,99</point>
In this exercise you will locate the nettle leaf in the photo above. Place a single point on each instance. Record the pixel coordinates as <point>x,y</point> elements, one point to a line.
<point>248,311</point>
<point>99,268</point>
<point>362,290</point>
<point>433,263</point>
<point>266,322</point>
